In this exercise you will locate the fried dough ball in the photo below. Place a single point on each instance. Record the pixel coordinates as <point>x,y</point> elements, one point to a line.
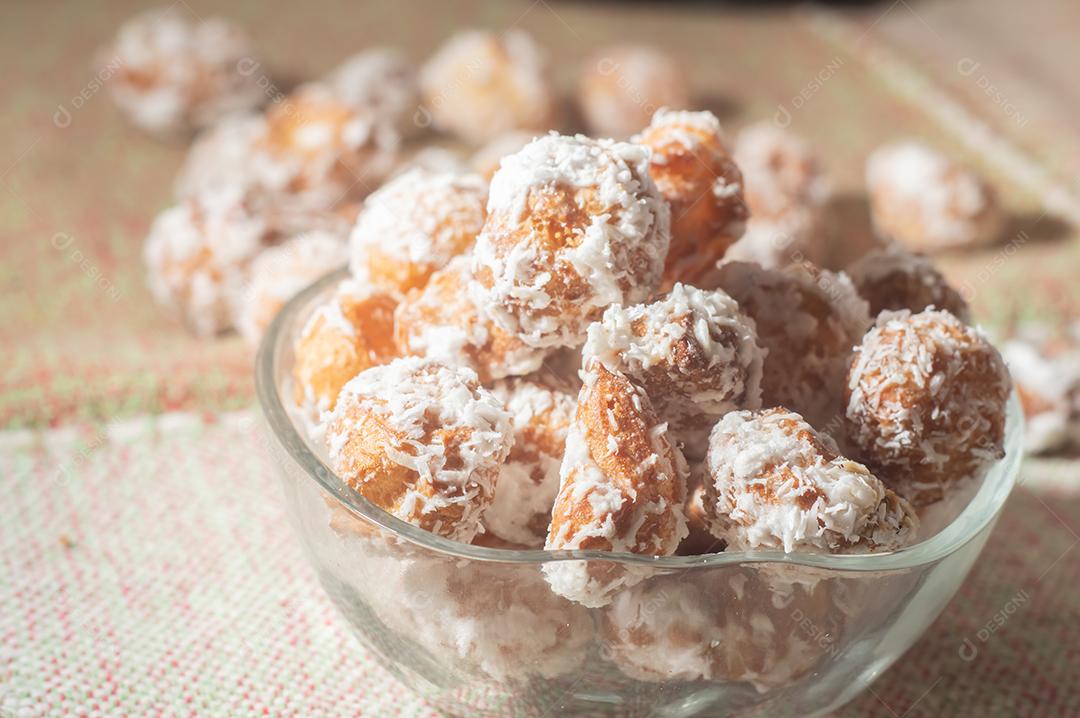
<point>279,273</point>
<point>319,146</point>
<point>170,72</point>
<point>926,400</point>
<point>928,203</point>
<point>808,320</point>
<point>622,488</point>
<point>352,332</point>
<point>893,278</point>
<point>692,351</point>
<point>222,155</point>
<point>529,480</point>
<point>487,159</point>
<point>441,322</point>
<point>786,191</point>
<point>723,626</point>
<point>422,441</point>
<point>414,225</point>
<point>697,176</point>
<point>775,483</point>
<point>198,255</point>
<point>621,87</point>
<point>480,84</point>
<point>1048,386</point>
<point>574,225</point>
<point>383,82</point>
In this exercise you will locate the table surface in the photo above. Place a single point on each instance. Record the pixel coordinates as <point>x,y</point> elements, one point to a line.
<point>92,374</point>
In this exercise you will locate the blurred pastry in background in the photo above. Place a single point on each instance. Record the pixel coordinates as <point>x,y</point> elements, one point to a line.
<point>927,202</point>
<point>621,87</point>
<point>786,192</point>
<point>170,72</point>
<point>481,84</point>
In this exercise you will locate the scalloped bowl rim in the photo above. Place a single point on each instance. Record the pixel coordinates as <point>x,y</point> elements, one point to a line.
<point>982,509</point>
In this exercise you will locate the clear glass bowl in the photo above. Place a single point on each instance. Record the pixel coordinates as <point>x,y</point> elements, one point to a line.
<point>477,632</point>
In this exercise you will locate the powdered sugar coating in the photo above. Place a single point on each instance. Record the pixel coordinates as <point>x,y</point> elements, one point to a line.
<point>351,332</point>
<point>279,273</point>
<point>723,626</point>
<point>926,402</point>
<point>696,175</point>
<point>480,84</point>
<point>169,72</point>
<point>892,278</point>
<point>693,352</point>
<point>622,489</point>
<point>529,480</point>
<point>383,82</point>
<point>422,441</point>
<point>620,87</point>
<point>414,225</point>
<point>809,320</point>
<point>574,225</point>
<point>927,202</point>
<point>775,483</point>
<point>441,322</point>
<point>199,252</point>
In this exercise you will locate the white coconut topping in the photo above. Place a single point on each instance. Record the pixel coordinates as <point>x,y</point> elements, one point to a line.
<point>413,398</point>
<point>926,400</point>
<point>693,351</point>
<point>419,218</point>
<point>618,255</point>
<point>774,483</point>
<point>529,480</point>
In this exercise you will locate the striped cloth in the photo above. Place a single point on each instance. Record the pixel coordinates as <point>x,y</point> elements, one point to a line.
<point>148,570</point>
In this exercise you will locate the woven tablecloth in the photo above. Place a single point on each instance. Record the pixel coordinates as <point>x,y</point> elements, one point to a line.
<point>145,564</point>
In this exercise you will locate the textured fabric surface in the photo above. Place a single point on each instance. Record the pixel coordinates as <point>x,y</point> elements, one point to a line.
<point>149,570</point>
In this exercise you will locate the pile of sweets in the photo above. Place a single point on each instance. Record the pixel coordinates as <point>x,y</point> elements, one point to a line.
<point>544,369</point>
<point>568,342</point>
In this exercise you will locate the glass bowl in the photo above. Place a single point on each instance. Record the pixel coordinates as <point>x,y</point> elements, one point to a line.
<point>477,632</point>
